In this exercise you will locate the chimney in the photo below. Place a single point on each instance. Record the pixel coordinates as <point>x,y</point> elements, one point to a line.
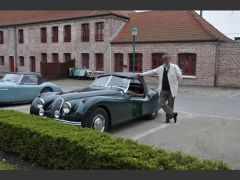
<point>237,39</point>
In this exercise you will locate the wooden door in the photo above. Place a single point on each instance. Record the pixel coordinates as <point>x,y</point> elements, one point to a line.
<point>118,62</point>
<point>11,64</point>
<point>32,64</point>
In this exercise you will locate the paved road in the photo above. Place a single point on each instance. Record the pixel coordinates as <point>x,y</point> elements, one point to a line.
<point>210,105</point>
<point>208,125</point>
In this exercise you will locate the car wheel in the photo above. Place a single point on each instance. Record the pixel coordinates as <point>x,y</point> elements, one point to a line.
<point>47,89</point>
<point>152,115</point>
<point>99,120</point>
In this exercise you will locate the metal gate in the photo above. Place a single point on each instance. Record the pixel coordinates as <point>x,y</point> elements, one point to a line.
<point>56,70</point>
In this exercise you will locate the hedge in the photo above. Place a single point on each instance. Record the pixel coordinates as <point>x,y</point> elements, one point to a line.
<point>55,145</point>
<point>5,165</point>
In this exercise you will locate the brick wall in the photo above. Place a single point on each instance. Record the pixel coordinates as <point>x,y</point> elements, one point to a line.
<point>205,51</point>
<point>33,47</point>
<point>229,65</point>
<point>7,49</point>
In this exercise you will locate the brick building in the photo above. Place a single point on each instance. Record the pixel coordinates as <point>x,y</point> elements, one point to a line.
<point>102,41</point>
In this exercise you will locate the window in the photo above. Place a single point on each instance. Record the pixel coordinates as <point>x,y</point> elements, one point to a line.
<point>30,79</point>
<point>138,63</point>
<point>67,33</point>
<point>21,61</point>
<point>156,60</point>
<point>43,35</point>
<point>99,31</point>
<point>85,60</point>
<point>85,32</point>
<point>55,57</point>
<point>99,62</point>
<point>67,57</point>
<point>55,34</point>
<point>2,61</point>
<point>1,37</point>
<point>44,57</point>
<point>187,63</point>
<point>20,36</point>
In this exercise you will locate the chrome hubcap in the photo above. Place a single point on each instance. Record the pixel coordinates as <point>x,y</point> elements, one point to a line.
<point>99,122</point>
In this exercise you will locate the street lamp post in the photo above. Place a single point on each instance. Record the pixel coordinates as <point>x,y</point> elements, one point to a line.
<point>134,34</point>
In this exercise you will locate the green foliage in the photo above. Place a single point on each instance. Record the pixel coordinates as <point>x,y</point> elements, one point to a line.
<point>60,146</point>
<point>5,165</point>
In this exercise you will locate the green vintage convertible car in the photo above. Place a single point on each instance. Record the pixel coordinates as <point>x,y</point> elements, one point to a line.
<point>23,87</point>
<point>109,101</point>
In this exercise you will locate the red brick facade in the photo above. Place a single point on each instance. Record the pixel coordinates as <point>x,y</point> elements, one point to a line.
<point>214,64</point>
<point>229,65</point>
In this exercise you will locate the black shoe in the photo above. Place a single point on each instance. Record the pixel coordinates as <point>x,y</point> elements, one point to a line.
<point>167,121</point>
<point>175,117</point>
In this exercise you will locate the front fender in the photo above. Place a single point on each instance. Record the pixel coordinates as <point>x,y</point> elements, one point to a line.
<point>55,87</point>
<point>87,106</point>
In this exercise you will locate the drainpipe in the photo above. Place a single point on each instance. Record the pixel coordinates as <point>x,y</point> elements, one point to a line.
<point>15,48</point>
<point>216,63</point>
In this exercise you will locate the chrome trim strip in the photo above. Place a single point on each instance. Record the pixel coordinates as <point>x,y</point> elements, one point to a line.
<point>3,89</point>
<point>61,104</point>
<point>108,81</point>
<point>69,122</point>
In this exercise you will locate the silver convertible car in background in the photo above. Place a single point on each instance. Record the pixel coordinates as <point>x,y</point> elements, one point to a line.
<point>24,87</point>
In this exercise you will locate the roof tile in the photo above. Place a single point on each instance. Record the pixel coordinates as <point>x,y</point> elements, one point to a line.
<point>161,26</point>
<point>23,17</point>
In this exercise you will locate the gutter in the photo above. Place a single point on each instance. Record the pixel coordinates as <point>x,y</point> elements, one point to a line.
<point>216,64</point>
<point>170,41</point>
<point>15,48</point>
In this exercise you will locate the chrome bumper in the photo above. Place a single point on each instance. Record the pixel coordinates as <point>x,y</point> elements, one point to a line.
<point>69,122</point>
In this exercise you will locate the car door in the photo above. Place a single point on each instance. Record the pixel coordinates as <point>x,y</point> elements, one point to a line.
<point>138,98</point>
<point>28,88</point>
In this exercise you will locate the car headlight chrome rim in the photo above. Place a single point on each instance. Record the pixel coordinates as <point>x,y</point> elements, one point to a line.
<point>67,107</point>
<point>57,114</point>
<point>40,103</point>
<point>41,112</point>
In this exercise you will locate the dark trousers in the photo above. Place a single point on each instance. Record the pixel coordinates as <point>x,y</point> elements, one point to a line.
<point>167,103</point>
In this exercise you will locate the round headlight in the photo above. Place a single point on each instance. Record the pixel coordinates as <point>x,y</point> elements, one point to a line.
<point>40,103</point>
<point>41,112</point>
<point>57,114</point>
<point>67,107</point>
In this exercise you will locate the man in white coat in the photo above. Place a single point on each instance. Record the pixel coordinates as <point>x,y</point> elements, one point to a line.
<point>169,75</point>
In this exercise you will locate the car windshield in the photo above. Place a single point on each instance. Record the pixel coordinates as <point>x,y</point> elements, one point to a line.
<point>12,77</point>
<point>112,82</point>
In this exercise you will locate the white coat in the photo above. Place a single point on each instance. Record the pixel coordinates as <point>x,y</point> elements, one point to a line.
<point>174,75</point>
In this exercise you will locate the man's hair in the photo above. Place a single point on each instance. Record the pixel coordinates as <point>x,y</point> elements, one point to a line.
<point>165,55</point>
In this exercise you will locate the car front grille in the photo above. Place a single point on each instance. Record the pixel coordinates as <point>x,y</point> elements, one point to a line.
<point>57,106</point>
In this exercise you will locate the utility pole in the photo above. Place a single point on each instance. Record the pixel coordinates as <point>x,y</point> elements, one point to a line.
<point>201,13</point>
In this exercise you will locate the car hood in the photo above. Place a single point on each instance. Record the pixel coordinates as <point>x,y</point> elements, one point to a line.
<point>88,92</point>
<point>7,84</point>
